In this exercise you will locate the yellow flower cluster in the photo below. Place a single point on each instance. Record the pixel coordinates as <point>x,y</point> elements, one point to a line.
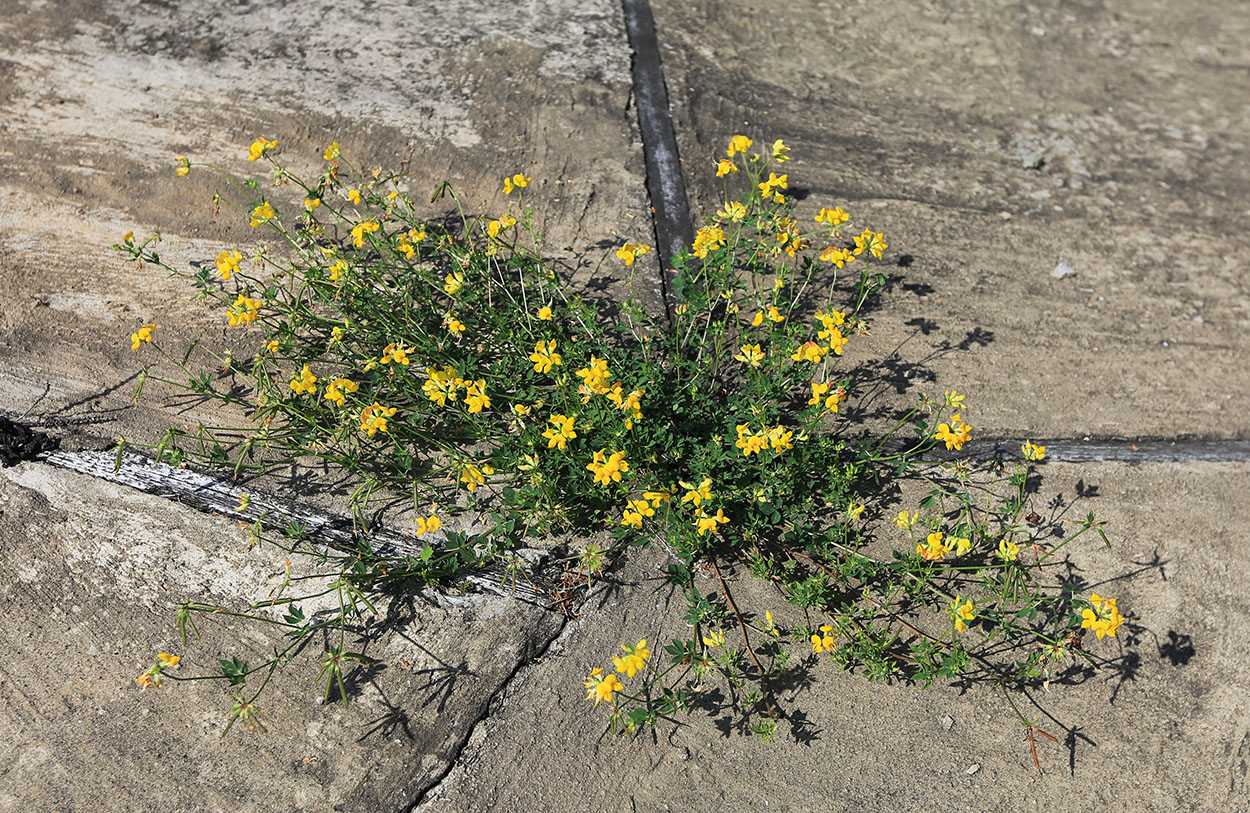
<point>262,214</point>
<point>396,352</point>
<point>1008,551</point>
<point>779,439</point>
<point>937,545</point>
<point>769,187</point>
<point>361,229</point>
<point>751,354</point>
<point>635,511</point>
<point>738,144</point>
<point>440,385</point>
<point>373,418</point>
<point>725,167</point>
<point>832,217</point>
<point>473,475</point>
<point>630,404</point>
<point>705,522</point>
<point>517,181</point>
<point>545,356</point>
<point>870,241</point>
<point>244,311</point>
<point>602,688</point>
<point>430,524</point>
<point>502,222</point>
<point>1031,451</point>
<point>305,383</point>
<point>825,641</point>
<point>152,676</point>
<point>560,432</point>
<point>630,252</point>
<point>836,255</point>
<point>1103,617</point>
<point>831,401</point>
<point>228,262</point>
<point>475,397</point>
<point>452,283</point>
<point>143,334</point>
<point>608,469</point>
<point>772,313</point>
<point>962,612</point>
<point>955,434</point>
<point>260,147</point>
<point>708,238</point>
<point>336,389</point>
<point>594,379</point>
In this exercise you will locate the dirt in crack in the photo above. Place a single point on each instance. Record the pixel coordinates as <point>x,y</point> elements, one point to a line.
<point>19,442</point>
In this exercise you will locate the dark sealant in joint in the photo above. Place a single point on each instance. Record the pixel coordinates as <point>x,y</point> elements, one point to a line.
<point>665,185</point>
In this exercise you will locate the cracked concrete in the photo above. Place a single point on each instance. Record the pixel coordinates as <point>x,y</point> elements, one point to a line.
<point>990,142</point>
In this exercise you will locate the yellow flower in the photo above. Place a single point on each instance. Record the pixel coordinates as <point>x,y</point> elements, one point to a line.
<point>560,432</point>
<point>775,314</point>
<point>168,660</point>
<point>962,612</point>
<point>962,545</point>
<point>428,525</point>
<point>708,238</point>
<point>601,688</point>
<point>594,378</point>
<point>810,351</point>
<point>853,510</point>
<point>244,311</point>
<point>1032,451</point>
<point>874,242</point>
<point>631,252</point>
<point>259,147</point>
<point>331,152</point>
<point>825,641</point>
<point>955,434</point>
<point>373,418</point>
<point>725,167</point>
<point>751,354</point>
<point>184,167</point>
<point>837,256</point>
<point>697,495</point>
<point>473,476</point>
<point>609,470</point>
<point>143,334</point>
<point>709,522</point>
<point>1103,617</point>
<point>545,314</point>
<point>440,386</point>
<point>656,497</point>
<point>336,334</point>
<point>734,210</point>
<point>336,389</point>
<point>395,352</point>
<point>545,356</point>
<point>517,181</point>
<point>495,226</point>
<point>836,341</point>
<point>262,214</point>
<point>774,181</point>
<point>452,283</point>
<point>758,320</point>
<point>311,203</point>
<point>475,397</point>
<point>272,346</point>
<point>738,144</point>
<point>305,383</point>
<point>361,229</point>
<point>905,521</point>
<point>780,438</point>
<point>337,270</point>
<point>781,153</point>
<point>635,659</point>
<point>455,325</point>
<point>520,410</point>
<point>750,443</point>
<point>832,217</point>
<point>934,548</point>
<point>714,639</point>
<point>954,400</point>
<point>1008,551</point>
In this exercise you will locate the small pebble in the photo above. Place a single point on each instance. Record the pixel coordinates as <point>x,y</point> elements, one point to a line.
<point>973,768</point>
<point>948,722</point>
<point>1062,270</point>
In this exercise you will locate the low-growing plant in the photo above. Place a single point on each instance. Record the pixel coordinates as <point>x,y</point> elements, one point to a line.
<point>438,355</point>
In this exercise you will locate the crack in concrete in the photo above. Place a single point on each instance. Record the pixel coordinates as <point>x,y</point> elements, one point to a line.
<point>490,707</point>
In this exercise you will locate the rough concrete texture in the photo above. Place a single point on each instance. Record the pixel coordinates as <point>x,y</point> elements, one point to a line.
<point>1167,729</point>
<point>958,130</point>
<point>923,120</point>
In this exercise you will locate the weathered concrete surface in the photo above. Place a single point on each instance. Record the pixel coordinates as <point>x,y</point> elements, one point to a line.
<point>90,577</point>
<point>1170,731</point>
<point>920,118</point>
<point>97,99</point>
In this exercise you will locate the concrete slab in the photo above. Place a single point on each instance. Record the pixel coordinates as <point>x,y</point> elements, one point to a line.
<point>91,575</point>
<point>928,121</point>
<point>96,100</point>
<point>1169,731</point>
